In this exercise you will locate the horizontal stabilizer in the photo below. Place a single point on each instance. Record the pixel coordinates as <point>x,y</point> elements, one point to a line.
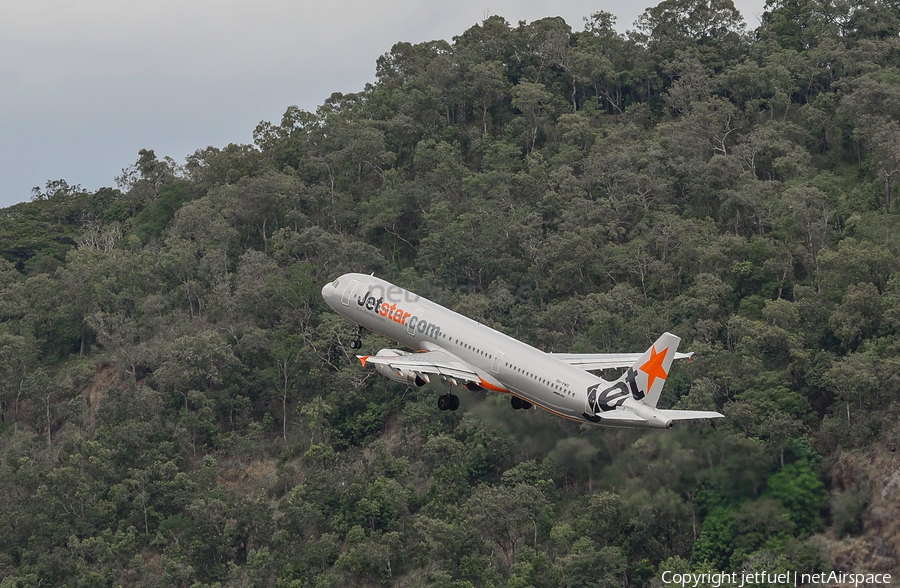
<point>621,415</point>
<point>686,415</point>
<point>618,418</point>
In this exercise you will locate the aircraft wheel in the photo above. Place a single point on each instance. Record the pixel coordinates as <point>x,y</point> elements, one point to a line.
<point>444,402</point>
<point>519,404</point>
<point>454,402</point>
<point>355,344</point>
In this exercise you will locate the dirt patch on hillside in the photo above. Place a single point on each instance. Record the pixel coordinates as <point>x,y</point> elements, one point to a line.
<point>876,472</point>
<point>96,390</point>
<point>249,477</point>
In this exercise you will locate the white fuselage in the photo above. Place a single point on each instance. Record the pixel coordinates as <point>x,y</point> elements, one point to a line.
<point>504,364</point>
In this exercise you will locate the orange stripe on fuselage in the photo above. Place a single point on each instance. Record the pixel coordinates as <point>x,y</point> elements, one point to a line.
<point>484,384</point>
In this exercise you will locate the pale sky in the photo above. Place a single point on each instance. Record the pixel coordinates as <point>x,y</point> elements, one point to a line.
<point>85,85</point>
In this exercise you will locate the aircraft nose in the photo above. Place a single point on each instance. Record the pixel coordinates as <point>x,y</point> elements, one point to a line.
<point>331,294</point>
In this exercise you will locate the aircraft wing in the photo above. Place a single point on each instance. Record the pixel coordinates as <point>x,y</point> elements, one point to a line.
<point>430,362</point>
<point>605,361</point>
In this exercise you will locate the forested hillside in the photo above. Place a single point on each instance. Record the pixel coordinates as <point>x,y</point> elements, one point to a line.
<point>178,407</point>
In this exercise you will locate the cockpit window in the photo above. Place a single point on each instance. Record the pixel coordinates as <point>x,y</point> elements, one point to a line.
<point>336,282</point>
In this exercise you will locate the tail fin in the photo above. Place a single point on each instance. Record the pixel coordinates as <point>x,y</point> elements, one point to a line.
<point>646,378</point>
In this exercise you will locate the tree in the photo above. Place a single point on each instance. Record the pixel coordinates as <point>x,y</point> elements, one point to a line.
<point>265,203</point>
<point>532,100</point>
<point>57,190</point>
<point>711,29</point>
<point>119,335</point>
<point>505,516</point>
<point>588,566</point>
<point>194,362</point>
<point>143,180</point>
<point>197,251</point>
<point>40,388</point>
<point>288,353</point>
<point>214,167</point>
<point>17,354</point>
<point>487,84</point>
<point>802,493</point>
<point>886,153</point>
<point>601,58</point>
<point>858,316</point>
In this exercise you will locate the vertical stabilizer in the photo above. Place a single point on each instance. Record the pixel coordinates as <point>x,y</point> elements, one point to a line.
<point>646,378</point>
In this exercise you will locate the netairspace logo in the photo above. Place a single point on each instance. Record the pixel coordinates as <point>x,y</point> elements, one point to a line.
<point>741,579</point>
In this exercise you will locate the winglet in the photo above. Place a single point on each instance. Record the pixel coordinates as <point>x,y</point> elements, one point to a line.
<point>362,359</point>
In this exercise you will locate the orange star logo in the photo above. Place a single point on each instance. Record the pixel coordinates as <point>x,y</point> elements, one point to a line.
<point>654,367</point>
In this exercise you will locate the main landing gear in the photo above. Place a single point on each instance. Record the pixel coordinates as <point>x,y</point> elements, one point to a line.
<point>519,404</point>
<point>448,402</point>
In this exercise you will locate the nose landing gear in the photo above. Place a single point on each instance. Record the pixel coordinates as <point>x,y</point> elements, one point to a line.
<point>357,343</point>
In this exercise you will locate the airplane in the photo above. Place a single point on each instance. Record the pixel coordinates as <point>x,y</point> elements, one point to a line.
<point>464,352</point>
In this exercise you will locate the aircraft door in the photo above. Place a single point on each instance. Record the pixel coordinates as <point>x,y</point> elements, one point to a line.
<point>345,298</point>
<point>413,320</point>
<point>495,365</point>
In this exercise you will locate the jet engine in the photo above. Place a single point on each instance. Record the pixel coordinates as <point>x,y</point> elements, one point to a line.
<point>404,376</point>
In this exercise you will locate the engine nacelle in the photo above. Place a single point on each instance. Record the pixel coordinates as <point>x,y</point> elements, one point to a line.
<point>404,376</point>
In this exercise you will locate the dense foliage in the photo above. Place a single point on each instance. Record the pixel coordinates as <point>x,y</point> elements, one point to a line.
<point>180,408</point>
